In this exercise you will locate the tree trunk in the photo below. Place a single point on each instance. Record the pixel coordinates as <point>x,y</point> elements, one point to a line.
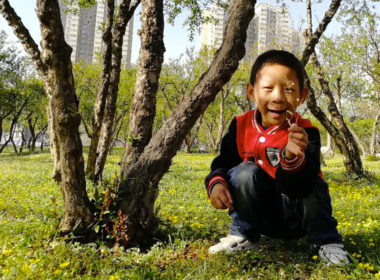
<point>101,96</point>
<point>220,131</point>
<point>329,143</point>
<point>54,67</point>
<point>59,84</point>
<point>16,116</point>
<point>223,121</point>
<point>119,124</point>
<point>14,146</point>
<point>40,134</point>
<point>193,133</point>
<point>151,56</point>
<point>352,160</point>
<point>54,147</point>
<point>360,143</point>
<point>105,140</point>
<point>345,142</point>
<point>374,134</point>
<point>323,119</point>
<point>314,38</point>
<point>32,130</point>
<point>212,140</point>
<point>42,142</point>
<point>138,188</point>
<point>1,129</point>
<point>23,140</point>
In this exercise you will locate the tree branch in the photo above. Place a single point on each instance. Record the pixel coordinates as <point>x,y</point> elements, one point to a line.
<point>314,38</point>
<point>22,33</point>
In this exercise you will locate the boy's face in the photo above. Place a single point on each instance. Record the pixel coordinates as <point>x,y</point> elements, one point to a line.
<point>276,90</point>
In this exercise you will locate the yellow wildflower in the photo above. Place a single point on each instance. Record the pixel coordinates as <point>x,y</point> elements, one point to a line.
<point>26,269</point>
<point>63,265</point>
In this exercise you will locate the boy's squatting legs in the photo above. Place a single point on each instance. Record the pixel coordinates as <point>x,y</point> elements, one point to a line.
<point>259,208</point>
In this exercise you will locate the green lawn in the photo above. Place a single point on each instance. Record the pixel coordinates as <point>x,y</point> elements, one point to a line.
<point>31,249</point>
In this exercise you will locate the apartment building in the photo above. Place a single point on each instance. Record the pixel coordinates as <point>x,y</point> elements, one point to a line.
<point>212,32</point>
<point>83,32</point>
<point>270,28</point>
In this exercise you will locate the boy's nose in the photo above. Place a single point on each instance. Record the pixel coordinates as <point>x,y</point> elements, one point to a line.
<point>278,95</point>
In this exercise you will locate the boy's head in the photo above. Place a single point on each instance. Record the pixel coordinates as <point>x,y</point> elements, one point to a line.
<point>276,85</point>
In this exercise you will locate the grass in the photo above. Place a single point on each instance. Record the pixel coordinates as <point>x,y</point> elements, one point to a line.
<point>31,249</point>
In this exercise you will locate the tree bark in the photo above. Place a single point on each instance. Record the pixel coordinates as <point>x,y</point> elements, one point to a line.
<point>54,147</point>
<point>345,142</point>
<point>359,142</point>
<point>14,146</point>
<point>1,129</point>
<point>40,134</point>
<point>32,130</point>
<point>193,133</point>
<point>209,129</point>
<point>54,67</point>
<point>124,15</point>
<point>349,150</point>
<point>314,38</point>
<point>329,143</point>
<point>151,56</point>
<point>223,121</point>
<point>59,83</point>
<point>321,116</point>
<point>101,96</point>
<point>138,188</point>
<point>374,134</point>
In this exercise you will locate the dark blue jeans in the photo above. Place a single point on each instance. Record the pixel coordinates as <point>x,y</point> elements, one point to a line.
<point>260,208</point>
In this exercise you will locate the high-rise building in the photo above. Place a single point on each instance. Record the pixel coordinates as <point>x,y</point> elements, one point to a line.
<point>212,32</point>
<point>270,28</point>
<point>83,32</point>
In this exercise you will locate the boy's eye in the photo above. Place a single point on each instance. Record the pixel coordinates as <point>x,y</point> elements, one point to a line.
<point>289,89</point>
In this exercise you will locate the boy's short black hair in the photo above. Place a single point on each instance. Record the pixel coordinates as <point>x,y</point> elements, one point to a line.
<point>280,57</point>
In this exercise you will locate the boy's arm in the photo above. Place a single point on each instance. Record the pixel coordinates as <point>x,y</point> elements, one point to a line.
<point>228,158</point>
<point>297,177</point>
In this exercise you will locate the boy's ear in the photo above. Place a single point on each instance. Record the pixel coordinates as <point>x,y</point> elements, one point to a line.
<point>304,94</point>
<point>250,92</point>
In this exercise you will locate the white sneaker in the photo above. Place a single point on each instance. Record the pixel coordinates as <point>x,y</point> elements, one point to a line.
<point>334,253</point>
<point>232,243</point>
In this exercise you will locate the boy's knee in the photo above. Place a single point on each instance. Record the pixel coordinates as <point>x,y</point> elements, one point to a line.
<point>318,200</point>
<point>242,174</point>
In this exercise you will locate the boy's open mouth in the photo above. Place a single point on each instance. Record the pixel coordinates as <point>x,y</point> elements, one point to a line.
<point>277,111</point>
<point>277,114</point>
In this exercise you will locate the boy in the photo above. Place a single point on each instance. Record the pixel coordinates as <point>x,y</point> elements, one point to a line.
<point>268,171</point>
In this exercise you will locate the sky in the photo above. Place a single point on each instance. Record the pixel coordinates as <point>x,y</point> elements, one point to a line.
<point>176,38</point>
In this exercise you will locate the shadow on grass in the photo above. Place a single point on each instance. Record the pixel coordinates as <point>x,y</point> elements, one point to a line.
<point>167,231</point>
<point>369,178</point>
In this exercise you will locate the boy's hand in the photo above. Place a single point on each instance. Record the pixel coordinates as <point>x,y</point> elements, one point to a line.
<point>297,141</point>
<point>221,197</point>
